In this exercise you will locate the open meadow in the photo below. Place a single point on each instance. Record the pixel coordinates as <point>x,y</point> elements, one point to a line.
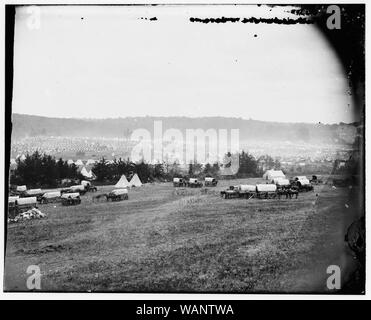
<point>166,239</point>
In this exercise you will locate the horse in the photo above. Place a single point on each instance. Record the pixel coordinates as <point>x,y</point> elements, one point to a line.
<point>291,192</point>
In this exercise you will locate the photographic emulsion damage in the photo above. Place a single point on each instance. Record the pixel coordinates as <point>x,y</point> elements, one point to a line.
<point>185,149</point>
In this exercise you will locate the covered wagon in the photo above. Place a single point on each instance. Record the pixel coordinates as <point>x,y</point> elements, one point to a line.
<point>282,183</point>
<point>24,204</point>
<point>88,186</point>
<point>31,192</point>
<point>38,193</point>
<point>52,196</point>
<point>194,183</point>
<point>210,182</point>
<point>286,188</point>
<point>85,183</point>
<point>266,191</point>
<point>118,195</point>
<point>77,188</point>
<point>231,192</point>
<point>12,199</point>
<point>283,186</point>
<point>179,182</point>
<point>246,191</point>
<point>303,183</point>
<point>70,199</point>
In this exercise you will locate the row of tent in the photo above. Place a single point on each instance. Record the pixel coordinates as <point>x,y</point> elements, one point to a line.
<point>89,162</point>
<point>124,183</point>
<point>82,163</point>
<point>70,161</point>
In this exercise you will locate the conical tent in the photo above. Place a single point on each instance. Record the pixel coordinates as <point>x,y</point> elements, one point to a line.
<point>122,183</point>
<point>135,181</point>
<point>91,174</point>
<point>85,173</point>
<point>79,163</point>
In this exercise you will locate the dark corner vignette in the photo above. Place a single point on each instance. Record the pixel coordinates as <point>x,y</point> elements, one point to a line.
<point>9,55</point>
<point>348,41</point>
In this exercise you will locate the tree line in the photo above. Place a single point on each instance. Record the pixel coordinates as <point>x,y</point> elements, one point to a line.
<point>41,170</point>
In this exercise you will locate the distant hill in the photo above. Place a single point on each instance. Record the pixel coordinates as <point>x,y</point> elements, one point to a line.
<point>250,130</point>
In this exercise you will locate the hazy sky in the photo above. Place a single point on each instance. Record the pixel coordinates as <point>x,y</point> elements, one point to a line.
<point>112,63</point>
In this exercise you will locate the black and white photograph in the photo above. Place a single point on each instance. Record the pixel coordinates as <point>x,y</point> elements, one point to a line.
<point>185,148</point>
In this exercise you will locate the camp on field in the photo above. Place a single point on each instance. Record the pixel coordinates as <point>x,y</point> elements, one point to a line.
<point>135,181</point>
<point>122,183</point>
<point>85,173</point>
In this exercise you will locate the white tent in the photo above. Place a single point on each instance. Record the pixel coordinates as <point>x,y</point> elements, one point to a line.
<point>122,183</point>
<point>21,188</point>
<point>79,163</point>
<point>273,174</point>
<point>86,173</point>
<point>90,161</point>
<point>13,166</point>
<point>135,181</point>
<point>70,161</point>
<point>266,173</point>
<point>91,174</point>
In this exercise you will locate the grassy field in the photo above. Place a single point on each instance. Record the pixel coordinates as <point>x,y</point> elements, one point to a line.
<point>191,240</point>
